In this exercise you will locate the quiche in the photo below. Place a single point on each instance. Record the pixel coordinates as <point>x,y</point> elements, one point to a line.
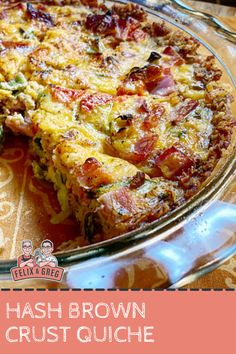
<point>125,117</point>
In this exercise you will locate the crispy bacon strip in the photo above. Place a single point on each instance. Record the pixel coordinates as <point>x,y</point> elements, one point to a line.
<point>90,3</point>
<point>183,110</point>
<point>176,58</point>
<point>165,85</point>
<point>92,174</point>
<point>157,29</point>
<point>172,162</point>
<point>127,28</point>
<point>151,78</point>
<point>152,117</point>
<point>137,181</point>
<point>144,147</point>
<point>147,73</point>
<point>103,24</point>
<point>39,15</point>
<point>15,45</point>
<point>88,103</point>
<point>141,79</point>
<point>65,95</point>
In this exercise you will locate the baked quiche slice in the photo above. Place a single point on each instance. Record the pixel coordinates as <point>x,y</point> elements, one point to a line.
<point>125,117</point>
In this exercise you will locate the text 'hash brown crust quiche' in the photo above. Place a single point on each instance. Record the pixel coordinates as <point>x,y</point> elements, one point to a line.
<point>125,117</point>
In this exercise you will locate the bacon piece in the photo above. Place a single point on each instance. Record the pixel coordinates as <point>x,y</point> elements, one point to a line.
<point>137,35</point>
<point>141,79</point>
<point>176,58</point>
<point>144,147</point>
<point>172,162</point>
<point>39,15</point>
<point>137,181</point>
<point>91,165</point>
<point>125,27</point>
<point>88,103</point>
<point>147,73</point>
<point>128,29</point>
<point>157,29</point>
<point>41,7</point>
<point>91,174</point>
<point>65,95</point>
<point>165,85</point>
<point>15,45</point>
<point>90,3</point>
<point>143,108</point>
<point>183,110</point>
<point>103,24</point>
<point>151,78</point>
<point>152,117</point>
<point>110,24</point>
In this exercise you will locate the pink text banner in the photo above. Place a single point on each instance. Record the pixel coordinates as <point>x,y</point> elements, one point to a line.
<point>115,322</point>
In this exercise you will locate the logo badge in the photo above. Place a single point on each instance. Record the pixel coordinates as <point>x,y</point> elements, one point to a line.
<point>40,265</point>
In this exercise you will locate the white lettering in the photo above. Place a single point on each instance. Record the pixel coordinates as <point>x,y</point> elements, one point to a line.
<point>64,329</point>
<point>39,306</point>
<point>121,310</point>
<point>136,309</point>
<point>8,335</point>
<point>105,307</point>
<point>87,308</point>
<point>55,309</point>
<point>146,334</point>
<point>27,311</point>
<point>24,333</point>
<point>86,337</point>
<point>12,309</point>
<point>54,338</point>
<point>74,310</point>
<point>116,334</point>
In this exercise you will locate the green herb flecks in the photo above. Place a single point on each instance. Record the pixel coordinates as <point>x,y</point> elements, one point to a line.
<point>16,84</point>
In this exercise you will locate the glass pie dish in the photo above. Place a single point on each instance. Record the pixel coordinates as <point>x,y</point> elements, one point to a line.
<point>193,239</point>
